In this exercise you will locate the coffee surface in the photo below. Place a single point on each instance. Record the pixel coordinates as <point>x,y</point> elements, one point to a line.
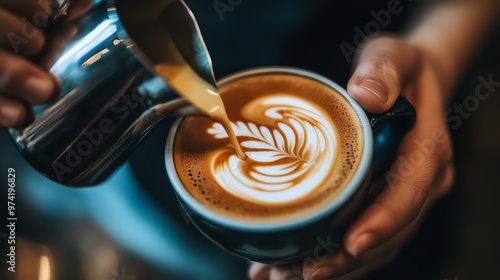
<point>302,139</point>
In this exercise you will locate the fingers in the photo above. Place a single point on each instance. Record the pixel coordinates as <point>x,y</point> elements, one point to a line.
<point>394,209</point>
<point>387,63</point>
<point>20,79</point>
<point>339,265</point>
<point>37,12</point>
<point>57,40</point>
<point>344,266</point>
<point>383,66</point>
<point>78,8</point>
<point>12,113</point>
<point>423,153</point>
<point>333,266</point>
<point>19,35</point>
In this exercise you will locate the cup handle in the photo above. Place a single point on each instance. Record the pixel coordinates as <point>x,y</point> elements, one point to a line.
<point>389,129</point>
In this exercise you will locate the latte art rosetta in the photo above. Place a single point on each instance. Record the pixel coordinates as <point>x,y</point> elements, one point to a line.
<point>290,144</point>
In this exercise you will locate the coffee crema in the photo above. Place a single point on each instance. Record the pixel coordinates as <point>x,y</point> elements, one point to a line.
<point>303,142</point>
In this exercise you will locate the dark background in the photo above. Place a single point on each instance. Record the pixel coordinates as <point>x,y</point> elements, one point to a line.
<point>132,221</point>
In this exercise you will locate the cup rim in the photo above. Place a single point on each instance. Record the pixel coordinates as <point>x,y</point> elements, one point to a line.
<point>258,226</point>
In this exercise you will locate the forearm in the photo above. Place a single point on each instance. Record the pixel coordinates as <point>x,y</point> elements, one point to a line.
<point>451,33</point>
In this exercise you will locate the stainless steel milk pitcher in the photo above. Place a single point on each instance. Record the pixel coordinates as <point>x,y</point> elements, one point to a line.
<point>111,96</point>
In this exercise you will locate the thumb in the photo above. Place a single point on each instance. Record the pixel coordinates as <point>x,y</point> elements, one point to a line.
<point>383,66</point>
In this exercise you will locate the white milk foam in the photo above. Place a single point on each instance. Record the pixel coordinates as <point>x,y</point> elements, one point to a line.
<point>287,160</point>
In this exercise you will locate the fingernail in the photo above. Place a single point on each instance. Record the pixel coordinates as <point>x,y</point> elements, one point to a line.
<point>324,272</point>
<point>375,88</point>
<point>361,244</point>
<point>39,88</point>
<point>9,116</point>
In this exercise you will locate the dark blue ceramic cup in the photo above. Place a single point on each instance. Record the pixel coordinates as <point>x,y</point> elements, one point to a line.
<point>316,234</point>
